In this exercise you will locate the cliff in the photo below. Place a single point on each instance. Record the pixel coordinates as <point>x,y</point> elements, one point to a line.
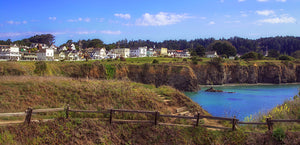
<point>184,77</point>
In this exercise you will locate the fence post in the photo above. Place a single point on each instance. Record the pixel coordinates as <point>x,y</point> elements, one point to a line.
<point>110,117</point>
<point>234,121</point>
<point>270,124</point>
<point>156,117</point>
<point>28,115</point>
<point>67,111</point>
<point>198,118</point>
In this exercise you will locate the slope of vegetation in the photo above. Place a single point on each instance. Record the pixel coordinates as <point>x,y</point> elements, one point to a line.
<point>18,93</point>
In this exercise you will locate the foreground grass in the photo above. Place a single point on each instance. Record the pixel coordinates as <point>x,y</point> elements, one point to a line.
<point>19,93</point>
<point>85,131</point>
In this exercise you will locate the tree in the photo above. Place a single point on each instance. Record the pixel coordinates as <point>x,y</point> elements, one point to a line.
<point>273,53</point>
<point>95,43</point>
<point>223,47</point>
<point>250,56</point>
<point>296,54</point>
<point>47,39</point>
<point>200,50</point>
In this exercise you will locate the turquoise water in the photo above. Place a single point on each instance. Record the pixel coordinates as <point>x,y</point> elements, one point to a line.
<point>245,101</point>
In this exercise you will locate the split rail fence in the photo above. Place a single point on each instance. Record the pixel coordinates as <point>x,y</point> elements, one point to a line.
<point>28,113</point>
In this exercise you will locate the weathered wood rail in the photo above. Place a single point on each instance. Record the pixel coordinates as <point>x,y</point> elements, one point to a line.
<point>196,118</point>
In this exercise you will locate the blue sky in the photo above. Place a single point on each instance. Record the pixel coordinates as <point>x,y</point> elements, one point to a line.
<point>155,20</point>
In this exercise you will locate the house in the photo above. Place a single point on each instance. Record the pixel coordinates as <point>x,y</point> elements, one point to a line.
<point>9,52</point>
<point>231,57</point>
<point>150,52</point>
<point>62,55</point>
<point>211,54</point>
<point>99,53</point>
<point>139,52</point>
<point>124,52</point>
<point>111,54</point>
<point>164,51</point>
<point>28,56</point>
<point>45,54</point>
<point>172,53</point>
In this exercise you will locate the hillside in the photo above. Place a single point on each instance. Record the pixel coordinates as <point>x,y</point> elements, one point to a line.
<point>19,92</point>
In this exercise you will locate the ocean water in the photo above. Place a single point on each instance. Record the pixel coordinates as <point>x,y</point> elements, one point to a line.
<point>245,101</point>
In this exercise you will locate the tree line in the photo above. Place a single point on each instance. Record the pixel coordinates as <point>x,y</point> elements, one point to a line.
<point>235,45</point>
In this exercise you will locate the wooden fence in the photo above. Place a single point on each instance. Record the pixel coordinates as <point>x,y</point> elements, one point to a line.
<point>28,113</point>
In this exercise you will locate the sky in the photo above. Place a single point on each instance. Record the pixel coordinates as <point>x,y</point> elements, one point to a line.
<point>155,20</point>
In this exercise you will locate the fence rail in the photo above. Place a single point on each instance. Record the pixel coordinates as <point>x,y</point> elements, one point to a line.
<point>28,113</point>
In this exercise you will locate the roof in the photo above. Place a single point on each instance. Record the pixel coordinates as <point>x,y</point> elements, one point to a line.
<point>210,53</point>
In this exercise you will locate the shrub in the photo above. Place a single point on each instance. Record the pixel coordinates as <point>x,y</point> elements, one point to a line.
<point>285,57</point>
<point>40,67</point>
<point>216,61</point>
<point>185,60</point>
<point>155,61</point>
<point>122,58</point>
<point>279,134</point>
<point>194,60</point>
<point>250,56</point>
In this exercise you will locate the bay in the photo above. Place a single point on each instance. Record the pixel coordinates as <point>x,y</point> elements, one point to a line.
<point>245,101</point>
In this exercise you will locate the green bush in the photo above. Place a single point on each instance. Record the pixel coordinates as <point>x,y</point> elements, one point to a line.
<point>285,57</point>
<point>155,61</point>
<point>279,134</point>
<point>122,58</point>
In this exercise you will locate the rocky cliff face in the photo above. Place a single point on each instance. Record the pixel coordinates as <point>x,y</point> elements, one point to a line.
<point>182,77</point>
<point>269,73</point>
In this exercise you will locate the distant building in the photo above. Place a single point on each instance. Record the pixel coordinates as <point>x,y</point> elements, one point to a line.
<point>211,54</point>
<point>9,52</point>
<point>99,53</point>
<point>124,52</point>
<point>28,56</point>
<point>150,52</point>
<point>164,51</point>
<point>46,54</point>
<point>139,52</point>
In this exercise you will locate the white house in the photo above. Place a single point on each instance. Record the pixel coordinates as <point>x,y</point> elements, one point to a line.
<point>111,54</point>
<point>124,52</point>
<point>139,52</point>
<point>45,54</point>
<point>99,53</point>
<point>211,54</point>
<point>150,52</point>
<point>9,52</point>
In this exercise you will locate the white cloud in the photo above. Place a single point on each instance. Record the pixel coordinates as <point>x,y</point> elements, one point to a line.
<point>282,19</point>
<point>211,23</point>
<point>111,32</point>
<point>124,16</point>
<point>222,1</point>
<point>161,19</point>
<point>265,12</point>
<point>281,0</point>
<point>241,0</point>
<point>87,20</point>
<point>16,22</point>
<point>262,0</point>
<point>52,18</point>
<point>28,34</point>
<point>79,20</point>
